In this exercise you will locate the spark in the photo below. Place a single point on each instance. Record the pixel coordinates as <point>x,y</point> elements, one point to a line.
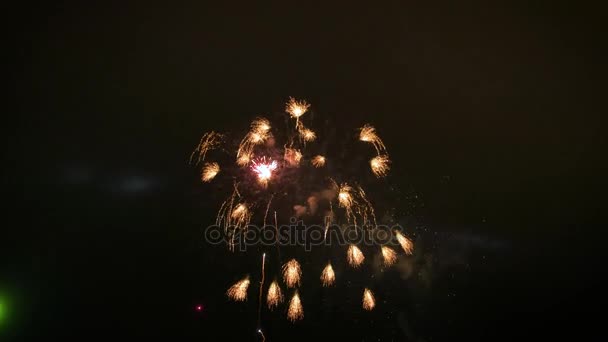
<point>244,159</point>
<point>318,161</point>
<point>240,213</point>
<point>258,133</point>
<point>406,244</point>
<point>295,311</point>
<point>307,134</point>
<point>292,156</point>
<point>345,197</point>
<point>389,255</point>
<point>354,201</point>
<point>296,108</point>
<point>210,170</point>
<point>264,168</point>
<point>238,291</point>
<point>368,300</point>
<point>262,334</point>
<point>380,165</point>
<point>354,256</point>
<point>261,287</point>
<point>328,277</point>
<point>208,142</point>
<point>368,134</point>
<point>274,296</point>
<point>260,125</point>
<point>292,273</point>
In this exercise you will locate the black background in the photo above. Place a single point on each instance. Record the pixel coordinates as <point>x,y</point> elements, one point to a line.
<point>492,114</point>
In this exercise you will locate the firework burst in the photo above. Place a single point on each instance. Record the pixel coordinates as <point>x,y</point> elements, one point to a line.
<point>292,273</point>
<point>210,170</point>
<point>369,302</point>
<point>328,277</point>
<point>238,291</point>
<point>275,296</point>
<point>296,108</point>
<point>380,165</point>
<point>389,255</point>
<point>368,134</point>
<point>267,179</point>
<point>406,244</point>
<point>295,312</point>
<point>208,142</point>
<point>318,161</point>
<point>354,256</point>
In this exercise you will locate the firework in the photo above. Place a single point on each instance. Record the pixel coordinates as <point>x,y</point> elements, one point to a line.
<point>264,168</point>
<point>318,161</point>
<point>307,134</point>
<point>295,311</point>
<point>368,134</point>
<point>389,255</point>
<point>292,273</point>
<point>354,256</point>
<point>241,215</point>
<point>238,291</point>
<point>368,300</point>
<point>275,296</point>
<point>296,108</point>
<point>354,201</point>
<point>210,170</point>
<point>292,157</point>
<point>244,159</point>
<point>209,141</point>
<point>260,125</point>
<point>328,277</point>
<point>380,165</point>
<point>406,244</point>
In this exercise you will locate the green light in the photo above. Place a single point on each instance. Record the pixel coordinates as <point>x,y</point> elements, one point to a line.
<point>2,310</point>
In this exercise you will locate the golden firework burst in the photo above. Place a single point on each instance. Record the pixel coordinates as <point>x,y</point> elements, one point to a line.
<point>296,108</point>
<point>380,165</point>
<point>275,296</point>
<point>238,291</point>
<point>369,302</point>
<point>368,134</point>
<point>295,311</point>
<point>210,170</point>
<point>208,142</point>
<point>328,277</point>
<point>406,244</point>
<point>354,256</point>
<point>389,255</point>
<point>307,134</point>
<point>318,161</point>
<point>292,273</point>
<point>292,157</point>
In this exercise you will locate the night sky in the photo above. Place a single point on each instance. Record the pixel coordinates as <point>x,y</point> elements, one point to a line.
<point>491,113</point>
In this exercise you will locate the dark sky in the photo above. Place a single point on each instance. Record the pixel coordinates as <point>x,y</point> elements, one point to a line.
<point>492,114</point>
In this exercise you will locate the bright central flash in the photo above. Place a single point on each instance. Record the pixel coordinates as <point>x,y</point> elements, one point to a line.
<point>264,169</point>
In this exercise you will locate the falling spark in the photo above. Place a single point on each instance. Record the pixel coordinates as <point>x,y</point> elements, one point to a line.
<point>345,197</point>
<point>368,134</point>
<point>292,156</point>
<point>243,159</point>
<point>262,335</point>
<point>261,288</point>
<point>354,256</point>
<point>275,296</point>
<point>210,170</point>
<point>389,255</point>
<point>296,108</point>
<point>295,311</point>
<point>238,291</point>
<point>368,300</point>
<point>380,165</point>
<point>264,168</point>
<point>307,134</point>
<point>208,142</point>
<point>292,273</point>
<point>318,161</point>
<point>328,277</point>
<point>406,244</point>
<point>260,125</point>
